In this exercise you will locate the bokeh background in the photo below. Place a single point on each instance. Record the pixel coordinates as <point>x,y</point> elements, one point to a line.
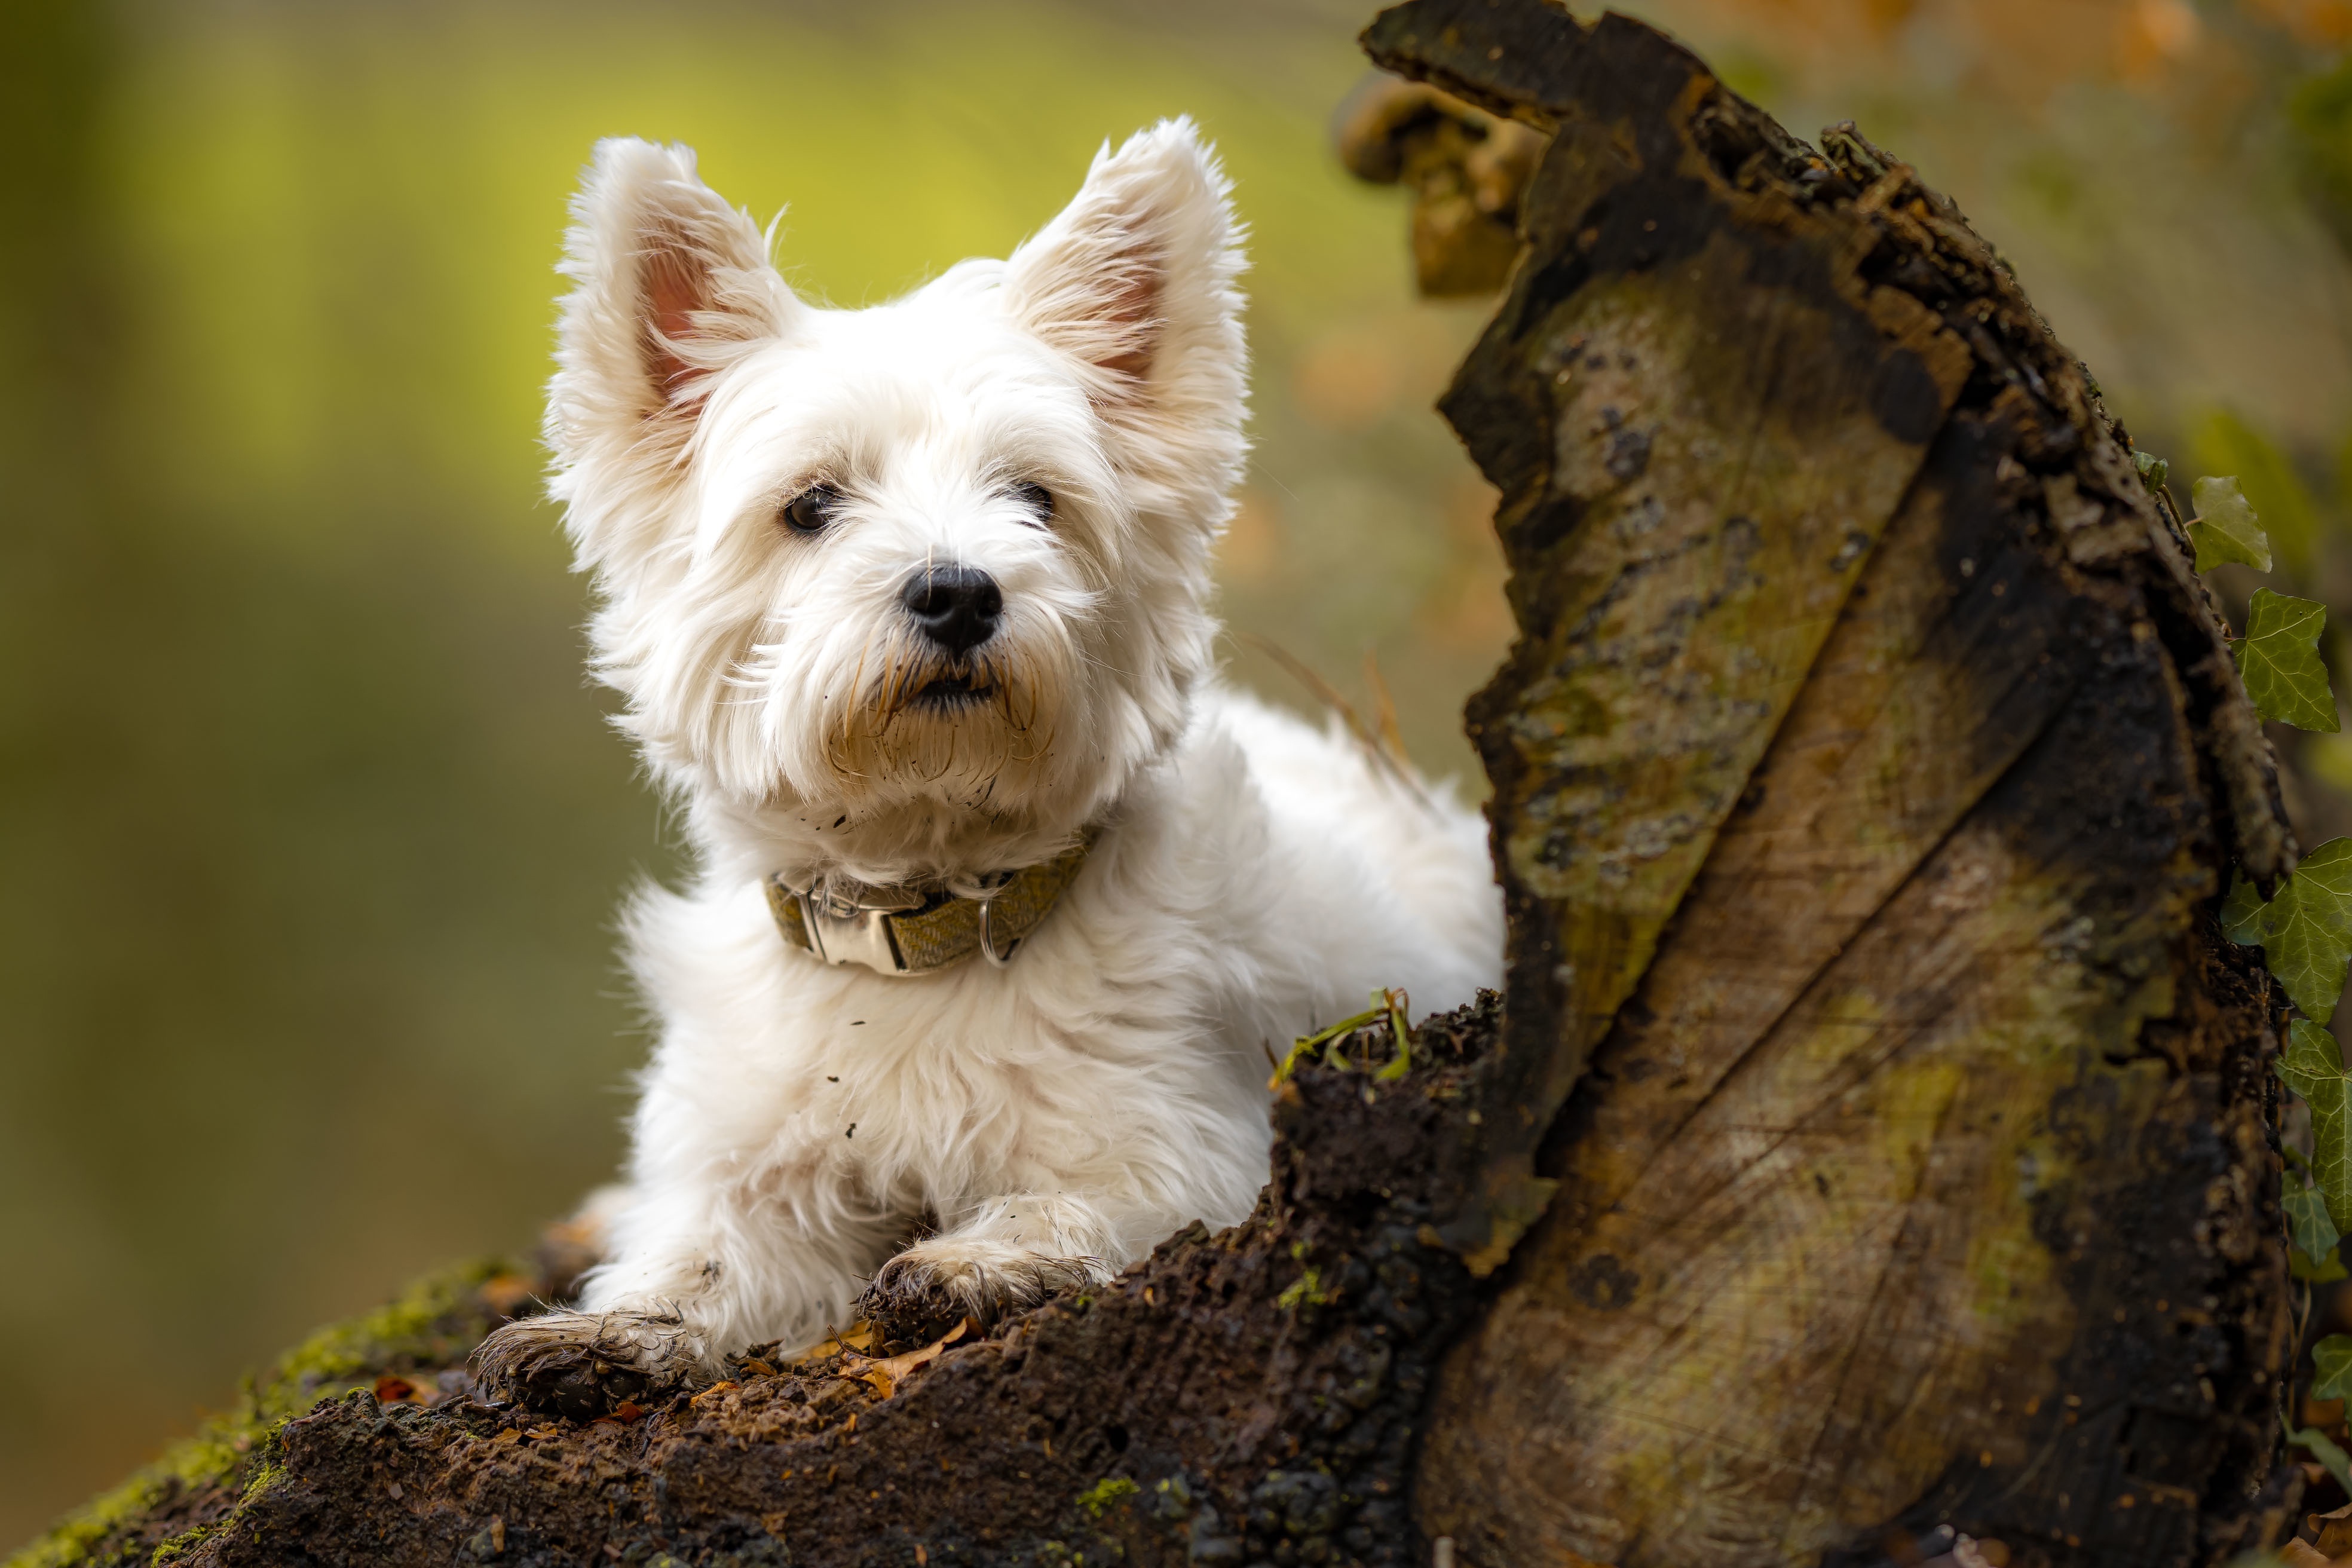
<point>311,830</point>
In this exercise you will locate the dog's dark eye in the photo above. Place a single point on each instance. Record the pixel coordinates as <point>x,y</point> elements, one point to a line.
<point>810,510</point>
<point>1038,499</point>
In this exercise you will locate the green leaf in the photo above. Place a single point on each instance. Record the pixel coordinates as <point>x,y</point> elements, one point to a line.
<point>2225,529</point>
<point>2222,443</point>
<point>2306,931</point>
<point>2153,470</point>
<point>2313,1067</point>
<point>2307,1224</point>
<point>2241,912</point>
<point>2333,1357</point>
<point>2279,659</point>
<point>2323,1273</point>
<point>2321,1448</point>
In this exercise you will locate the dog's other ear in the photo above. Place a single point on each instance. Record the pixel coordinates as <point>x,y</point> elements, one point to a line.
<point>670,285</point>
<point>1135,282</point>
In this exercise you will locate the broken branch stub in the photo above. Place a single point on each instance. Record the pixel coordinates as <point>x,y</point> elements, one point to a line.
<point>1466,170</point>
<point>1880,1140</point>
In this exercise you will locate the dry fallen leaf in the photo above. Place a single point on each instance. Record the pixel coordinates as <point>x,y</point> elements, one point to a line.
<point>391,1388</point>
<point>885,1374</point>
<point>628,1410</point>
<point>2299,1555</point>
<point>859,1336</point>
<point>502,1293</point>
<point>2334,1531</point>
<point>506,1435</point>
<point>713,1391</point>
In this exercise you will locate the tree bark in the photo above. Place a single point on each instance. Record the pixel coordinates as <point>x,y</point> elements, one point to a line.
<point>1874,1144</point>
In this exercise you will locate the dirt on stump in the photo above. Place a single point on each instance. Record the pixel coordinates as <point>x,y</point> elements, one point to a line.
<point>1243,1397</point>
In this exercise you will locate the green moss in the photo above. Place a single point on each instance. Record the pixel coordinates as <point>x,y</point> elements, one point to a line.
<point>436,1323</point>
<point>1105,1494</point>
<point>1305,1290</point>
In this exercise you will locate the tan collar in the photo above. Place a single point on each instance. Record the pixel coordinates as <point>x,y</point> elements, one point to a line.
<point>913,930</point>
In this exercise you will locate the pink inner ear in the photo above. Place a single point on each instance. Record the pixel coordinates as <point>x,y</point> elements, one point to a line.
<point>673,290</point>
<point>1133,305</point>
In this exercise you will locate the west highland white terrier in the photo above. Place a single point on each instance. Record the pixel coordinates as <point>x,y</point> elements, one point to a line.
<point>1000,903</point>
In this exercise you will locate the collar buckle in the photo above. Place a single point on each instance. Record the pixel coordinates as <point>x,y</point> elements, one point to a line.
<point>850,924</point>
<point>904,931</point>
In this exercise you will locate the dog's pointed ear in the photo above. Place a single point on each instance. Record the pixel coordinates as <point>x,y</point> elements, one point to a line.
<point>670,285</point>
<point>1134,281</point>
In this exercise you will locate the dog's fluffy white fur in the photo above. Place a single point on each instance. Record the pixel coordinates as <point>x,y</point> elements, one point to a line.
<point>1051,1120</point>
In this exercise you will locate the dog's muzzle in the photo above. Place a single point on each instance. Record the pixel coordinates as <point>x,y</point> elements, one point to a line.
<point>914,931</point>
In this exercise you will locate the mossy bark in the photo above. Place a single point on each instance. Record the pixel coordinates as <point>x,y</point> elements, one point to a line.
<point>1245,1397</point>
<point>1874,1144</point>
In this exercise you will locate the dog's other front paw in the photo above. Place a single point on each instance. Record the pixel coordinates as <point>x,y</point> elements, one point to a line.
<point>921,1293</point>
<point>581,1364</point>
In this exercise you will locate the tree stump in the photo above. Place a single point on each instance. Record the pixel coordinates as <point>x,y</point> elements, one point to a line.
<point>1863,778</point>
<point>1874,1144</point>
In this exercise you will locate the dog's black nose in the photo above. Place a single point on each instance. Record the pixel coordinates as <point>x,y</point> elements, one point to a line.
<point>957,606</point>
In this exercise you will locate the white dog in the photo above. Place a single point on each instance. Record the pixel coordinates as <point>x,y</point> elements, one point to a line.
<point>1000,905</point>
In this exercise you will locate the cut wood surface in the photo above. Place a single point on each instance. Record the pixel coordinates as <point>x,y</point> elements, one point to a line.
<point>1861,777</point>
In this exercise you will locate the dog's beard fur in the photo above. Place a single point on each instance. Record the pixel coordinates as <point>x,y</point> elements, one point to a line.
<point>976,732</point>
<point>836,718</point>
<point>956,725</point>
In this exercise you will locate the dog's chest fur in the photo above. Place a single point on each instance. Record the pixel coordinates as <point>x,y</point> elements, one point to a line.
<point>1214,922</point>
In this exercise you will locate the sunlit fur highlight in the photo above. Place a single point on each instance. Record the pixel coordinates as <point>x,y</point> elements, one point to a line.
<point>1251,878</point>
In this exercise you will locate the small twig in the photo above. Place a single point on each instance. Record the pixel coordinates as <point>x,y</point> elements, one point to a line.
<point>1385,759</point>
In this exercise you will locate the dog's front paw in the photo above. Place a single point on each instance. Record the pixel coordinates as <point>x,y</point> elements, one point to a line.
<point>921,1293</point>
<point>581,1364</point>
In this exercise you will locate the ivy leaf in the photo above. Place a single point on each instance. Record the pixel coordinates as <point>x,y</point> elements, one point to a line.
<point>2225,529</point>
<point>2307,1225</point>
<point>2323,1448</point>
<point>2313,1067</point>
<point>2333,1357</point>
<point>2279,659</point>
<point>2298,1266</point>
<point>2153,470</point>
<point>2306,931</point>
<point>2241,912</point>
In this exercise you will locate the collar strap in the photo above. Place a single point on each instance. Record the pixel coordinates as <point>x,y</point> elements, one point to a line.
<point>912,930</point>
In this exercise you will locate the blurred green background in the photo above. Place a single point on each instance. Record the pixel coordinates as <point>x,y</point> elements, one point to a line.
<point>309,830</point>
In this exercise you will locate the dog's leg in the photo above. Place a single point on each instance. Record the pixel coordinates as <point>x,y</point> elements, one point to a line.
<point>697,1272</point>
<point>1006,1256</point>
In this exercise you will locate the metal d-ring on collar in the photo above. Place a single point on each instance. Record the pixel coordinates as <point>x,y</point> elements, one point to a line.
<point>987,941</point>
